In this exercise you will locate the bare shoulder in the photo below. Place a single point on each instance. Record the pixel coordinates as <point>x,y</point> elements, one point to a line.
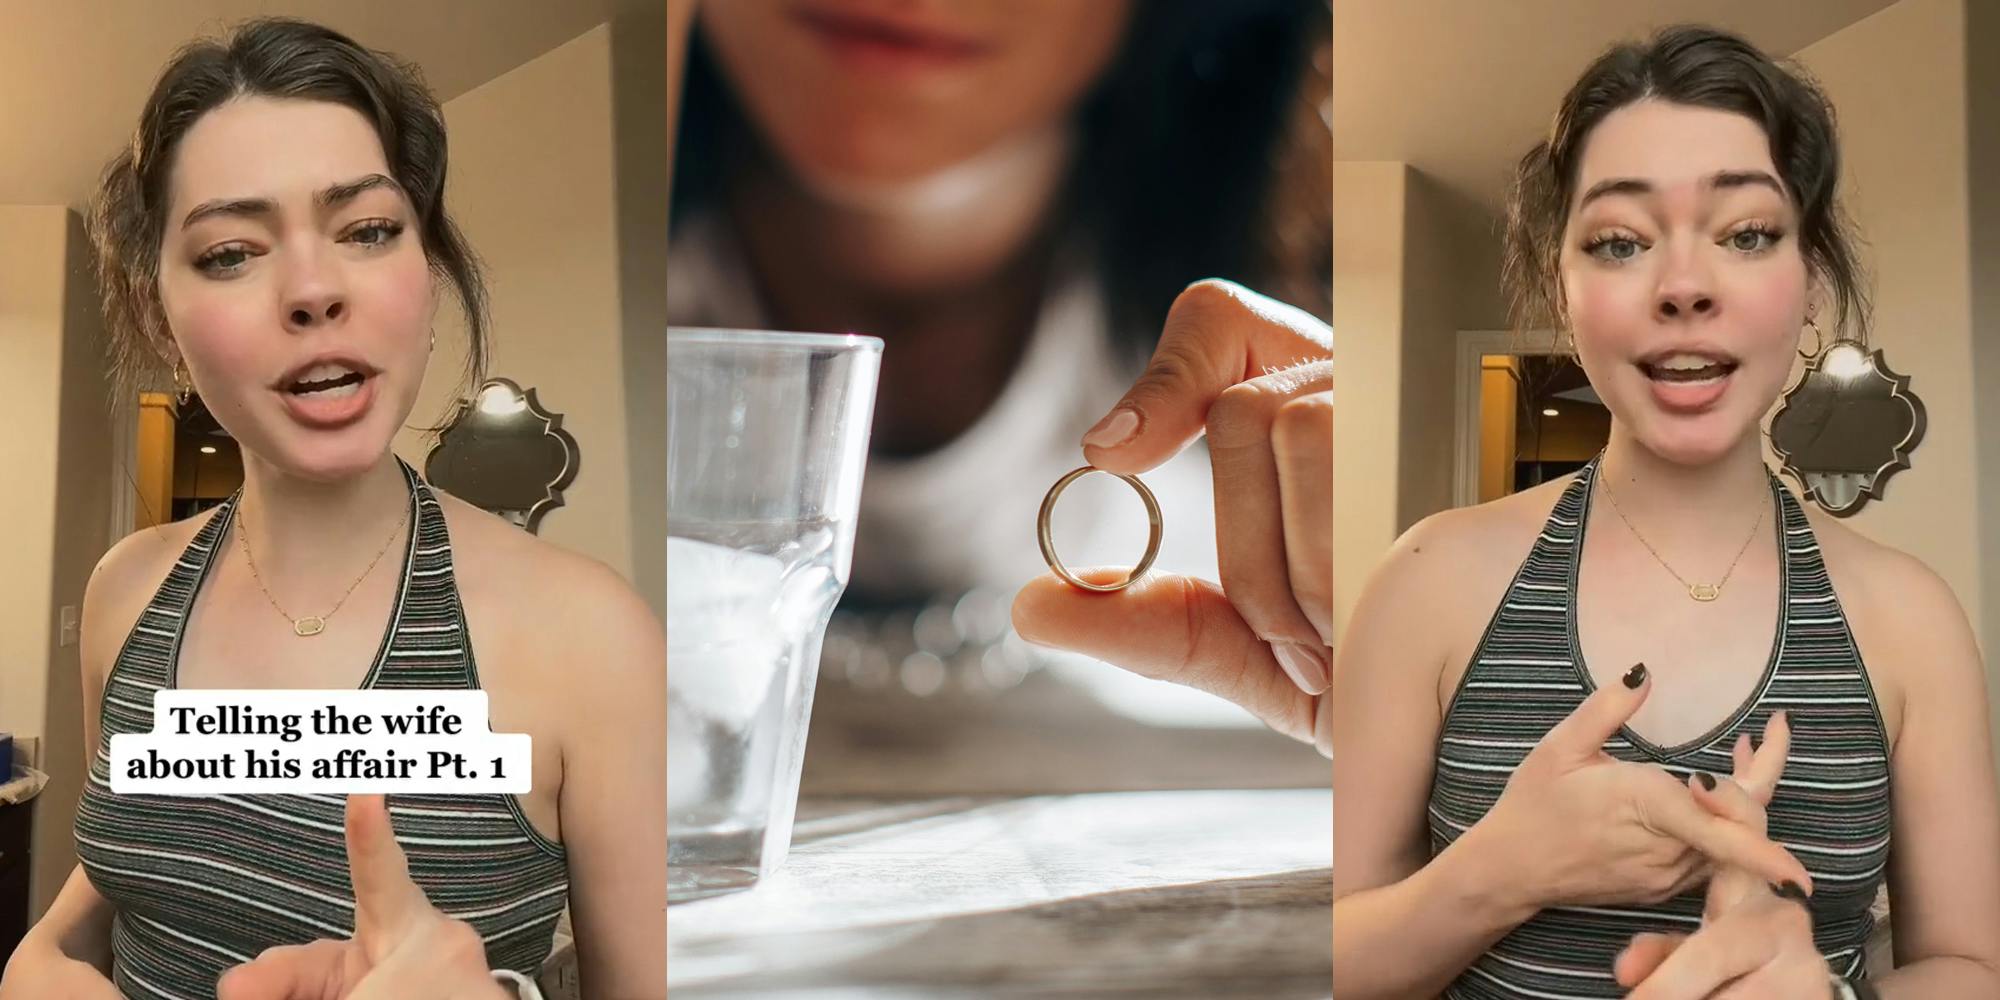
<point>1476,546</point>
<point>1871,577</point>
<point>126,577</point>
<point>546,605</point>
<point>1908,623</point>
<point>1430,598</point>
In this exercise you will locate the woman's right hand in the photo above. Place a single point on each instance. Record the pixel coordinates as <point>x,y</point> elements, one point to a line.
<point>1577,827</point>
<point>42,972</point>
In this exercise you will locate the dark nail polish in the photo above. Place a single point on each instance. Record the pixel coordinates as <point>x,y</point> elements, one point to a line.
<point>1790,890</point>
<point>1635,676</point>
<point>1707,780</point>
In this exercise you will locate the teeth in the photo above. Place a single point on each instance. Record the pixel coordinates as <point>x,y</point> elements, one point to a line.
<point>323,373</point>
<point>339,392</point>
<point>1684,363</point>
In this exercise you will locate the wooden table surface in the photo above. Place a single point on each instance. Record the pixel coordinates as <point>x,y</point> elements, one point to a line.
<point>1196,894</point>
<point>1033,841</point>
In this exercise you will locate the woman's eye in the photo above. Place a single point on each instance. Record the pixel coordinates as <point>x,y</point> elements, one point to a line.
<point>1615,248</point>
<point>374,234</point>
<point>1752,240</point>
<point>222,259</point>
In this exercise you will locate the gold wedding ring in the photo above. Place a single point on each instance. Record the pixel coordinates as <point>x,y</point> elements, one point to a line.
<point>1049,545</point>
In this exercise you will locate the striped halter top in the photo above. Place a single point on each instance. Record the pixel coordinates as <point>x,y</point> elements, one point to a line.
<point>1831,808</point>
<point>200,884</point>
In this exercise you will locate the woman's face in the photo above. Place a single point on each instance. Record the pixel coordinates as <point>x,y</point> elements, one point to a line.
<point>1682,276</point>
<point>294,283</point>
<point>883,91</point>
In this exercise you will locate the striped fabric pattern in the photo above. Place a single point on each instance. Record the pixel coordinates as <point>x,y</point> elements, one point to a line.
<point>203,883</point>
<point>1831,809</point>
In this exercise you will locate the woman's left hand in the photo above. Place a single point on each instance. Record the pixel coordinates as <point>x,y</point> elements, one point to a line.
<point>1760,949</point>
<point>1756,940</point>
<point>1256,376</point>
<point>402,946</point>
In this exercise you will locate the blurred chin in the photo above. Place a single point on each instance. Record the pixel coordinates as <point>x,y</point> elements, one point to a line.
<point>1692,441</point>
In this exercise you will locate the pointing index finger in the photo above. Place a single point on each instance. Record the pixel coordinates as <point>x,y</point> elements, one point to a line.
<point>385,899</point>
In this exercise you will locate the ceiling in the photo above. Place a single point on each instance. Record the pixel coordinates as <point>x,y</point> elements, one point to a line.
<point>74,74</point>
<point>1460,89</point>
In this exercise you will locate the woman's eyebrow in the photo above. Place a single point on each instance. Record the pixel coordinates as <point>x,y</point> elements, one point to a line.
<point>332,196</point>
<point>1720,180</point>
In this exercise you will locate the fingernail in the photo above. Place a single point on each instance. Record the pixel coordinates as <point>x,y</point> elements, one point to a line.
<point>1115,429</point>
<point>1707,780</point>
<point>1790,890</point>
<point>1635,676</point>
<point>1306,667</point>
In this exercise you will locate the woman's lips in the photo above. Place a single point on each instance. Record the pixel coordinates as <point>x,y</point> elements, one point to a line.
<point>1688,397</point>
<point>872,43</point>
<point>321,411</point>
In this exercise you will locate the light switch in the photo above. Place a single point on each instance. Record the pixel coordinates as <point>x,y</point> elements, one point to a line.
<point>68,625</point>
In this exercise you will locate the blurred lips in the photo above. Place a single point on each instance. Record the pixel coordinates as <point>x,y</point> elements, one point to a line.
<point>889,44</point>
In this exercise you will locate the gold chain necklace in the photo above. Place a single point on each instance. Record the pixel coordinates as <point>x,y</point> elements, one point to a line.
<point>1703,592</point>
<point>312,624</point>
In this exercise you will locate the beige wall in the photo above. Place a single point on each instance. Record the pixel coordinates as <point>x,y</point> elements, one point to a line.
<point>639,101</point>
<point>1983,160</point>
<point>532,186</point>
<point>1405,261</point>
<point>1899,80</point>
<point>51,360</point>
<point>1434,279</point>
<point>1367,350</point>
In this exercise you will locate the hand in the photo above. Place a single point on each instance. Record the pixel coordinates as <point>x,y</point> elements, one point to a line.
<point>1761,948</point>
<point>1575,826</point>
<point>402,946</point>
<point>1763,934</point>
<point>1256,376</point>
<point>43,972</point>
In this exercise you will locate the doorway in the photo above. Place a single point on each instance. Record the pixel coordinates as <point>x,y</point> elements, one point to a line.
<point>1526,415</point>
<point>181,462</point>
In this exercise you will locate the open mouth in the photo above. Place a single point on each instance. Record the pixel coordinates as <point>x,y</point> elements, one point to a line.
<point>327,381</point>
<point>1687,369</point>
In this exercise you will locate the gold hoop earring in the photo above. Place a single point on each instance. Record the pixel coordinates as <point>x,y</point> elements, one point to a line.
<point>434,341</point>
<point>183,384</point>
<point>1818,340</point>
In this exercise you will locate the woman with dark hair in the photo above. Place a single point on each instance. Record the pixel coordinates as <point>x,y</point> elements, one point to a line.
<point>275,236</point>
<point>1013,197</point>
<point>1546,710</point>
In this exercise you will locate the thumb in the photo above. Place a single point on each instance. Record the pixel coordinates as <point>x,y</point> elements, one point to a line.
<point>1581,736</point>
<point>385,900</point>
<point>287,972</point>
<point>1217,334</point>
<point>1167,627</point>
<point>1643,955</point>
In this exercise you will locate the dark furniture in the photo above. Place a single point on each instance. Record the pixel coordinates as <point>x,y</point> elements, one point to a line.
<point>14,830</point>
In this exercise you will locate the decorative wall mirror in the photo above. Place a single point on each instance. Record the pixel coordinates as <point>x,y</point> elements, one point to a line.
<point>1847,426</point>
<point>505,453</point>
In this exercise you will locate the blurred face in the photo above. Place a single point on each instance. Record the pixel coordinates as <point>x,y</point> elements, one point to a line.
<point>1682,276</point>
<point>294,283</point>
<point>882,91</point>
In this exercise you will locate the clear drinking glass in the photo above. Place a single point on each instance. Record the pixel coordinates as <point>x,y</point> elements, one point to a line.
<point>766,437</point>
